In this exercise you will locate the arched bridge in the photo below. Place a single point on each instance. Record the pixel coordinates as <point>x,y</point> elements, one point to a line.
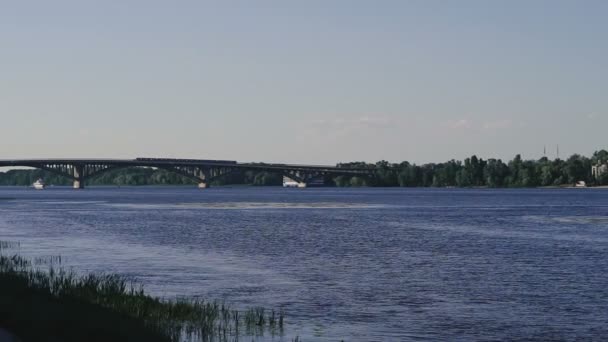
<point>201,171</point>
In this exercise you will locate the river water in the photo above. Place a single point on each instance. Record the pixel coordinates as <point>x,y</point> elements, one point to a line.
<point>353,264</point>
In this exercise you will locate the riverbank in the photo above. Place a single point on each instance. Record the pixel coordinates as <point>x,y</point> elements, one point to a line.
<point>58,305</point>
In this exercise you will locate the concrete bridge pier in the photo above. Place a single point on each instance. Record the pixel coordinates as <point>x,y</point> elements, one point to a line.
<point>78,177</point>
<point>203,178</point>
<point>78,184</point>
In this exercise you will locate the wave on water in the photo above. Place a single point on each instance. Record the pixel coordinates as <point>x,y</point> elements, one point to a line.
<point>602,220</point>
<point>66,202</point>
<point>247,205</point>
<point>503,232</point>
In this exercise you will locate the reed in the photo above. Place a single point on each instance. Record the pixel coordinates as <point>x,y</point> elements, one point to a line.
<point>111,298</point>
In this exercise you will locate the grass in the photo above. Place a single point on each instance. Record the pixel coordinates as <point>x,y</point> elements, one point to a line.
<point>53,304</point>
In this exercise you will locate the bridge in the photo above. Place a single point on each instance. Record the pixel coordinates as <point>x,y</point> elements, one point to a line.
<point>201,171</point>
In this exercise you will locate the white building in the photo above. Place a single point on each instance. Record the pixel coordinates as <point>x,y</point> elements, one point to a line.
<point>598,170</point>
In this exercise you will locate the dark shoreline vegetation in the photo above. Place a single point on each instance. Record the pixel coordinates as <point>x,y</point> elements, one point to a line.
<point>58,305</point>
<point>472,172</point>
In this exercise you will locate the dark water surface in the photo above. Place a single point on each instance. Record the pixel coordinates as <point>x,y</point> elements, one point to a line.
<point>352,264</point>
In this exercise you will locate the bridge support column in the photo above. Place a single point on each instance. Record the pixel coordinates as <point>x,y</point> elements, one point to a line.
<point>78,177</point>
<point>78,184</point>
<point>203,176</point>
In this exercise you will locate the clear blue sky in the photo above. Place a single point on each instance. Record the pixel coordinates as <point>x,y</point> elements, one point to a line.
<point>306,81</point>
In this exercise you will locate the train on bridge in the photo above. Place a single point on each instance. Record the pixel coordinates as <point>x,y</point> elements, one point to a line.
<point>193,161</point>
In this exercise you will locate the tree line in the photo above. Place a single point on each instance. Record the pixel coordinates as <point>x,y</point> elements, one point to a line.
<point>472,172</point>
<point>477,172</point>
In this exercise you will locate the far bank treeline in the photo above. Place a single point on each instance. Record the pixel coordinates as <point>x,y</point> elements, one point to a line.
<point>472,172</point>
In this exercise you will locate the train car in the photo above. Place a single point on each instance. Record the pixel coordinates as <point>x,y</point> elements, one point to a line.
<point>173,160</point>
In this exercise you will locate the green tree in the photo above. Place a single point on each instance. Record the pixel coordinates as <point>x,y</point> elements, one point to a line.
<point>495,173</point>
<point>578,169</point>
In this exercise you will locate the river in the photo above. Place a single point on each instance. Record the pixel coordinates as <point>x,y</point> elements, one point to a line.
<point>364,264</point>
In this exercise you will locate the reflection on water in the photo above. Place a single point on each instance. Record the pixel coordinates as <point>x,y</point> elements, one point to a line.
<point>353,264</point>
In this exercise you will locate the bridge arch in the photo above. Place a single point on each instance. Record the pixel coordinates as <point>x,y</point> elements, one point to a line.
<point>200,171</point>
<point>68,171</point>
<point>188,175</point>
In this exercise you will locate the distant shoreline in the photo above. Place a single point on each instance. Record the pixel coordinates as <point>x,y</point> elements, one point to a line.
<point>473,172</point>
<point>240,186</point>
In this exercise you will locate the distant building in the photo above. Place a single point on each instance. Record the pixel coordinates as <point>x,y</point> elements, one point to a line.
<point>598,170</point>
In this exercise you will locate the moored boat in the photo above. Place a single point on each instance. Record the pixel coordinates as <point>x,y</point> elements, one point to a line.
<point>289,183</point>
<point>39,184</point>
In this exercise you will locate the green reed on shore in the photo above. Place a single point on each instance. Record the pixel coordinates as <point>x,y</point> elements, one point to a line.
<point>64,306</point>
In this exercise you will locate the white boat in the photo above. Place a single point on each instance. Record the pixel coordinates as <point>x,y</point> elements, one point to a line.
<point>39,184</point>
<point>289,183</point>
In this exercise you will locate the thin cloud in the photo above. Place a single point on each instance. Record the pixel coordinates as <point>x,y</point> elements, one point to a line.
<point>345,128</point>
<point>500,124</point>
<point>458,124</point>
<point>466,124</point>
<point>373,121</point>
<point>360,122</point>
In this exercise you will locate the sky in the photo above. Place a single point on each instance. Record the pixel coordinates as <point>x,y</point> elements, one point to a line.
<point>312,81</point>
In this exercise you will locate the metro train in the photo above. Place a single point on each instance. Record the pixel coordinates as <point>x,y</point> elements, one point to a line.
<point>206,161</point>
